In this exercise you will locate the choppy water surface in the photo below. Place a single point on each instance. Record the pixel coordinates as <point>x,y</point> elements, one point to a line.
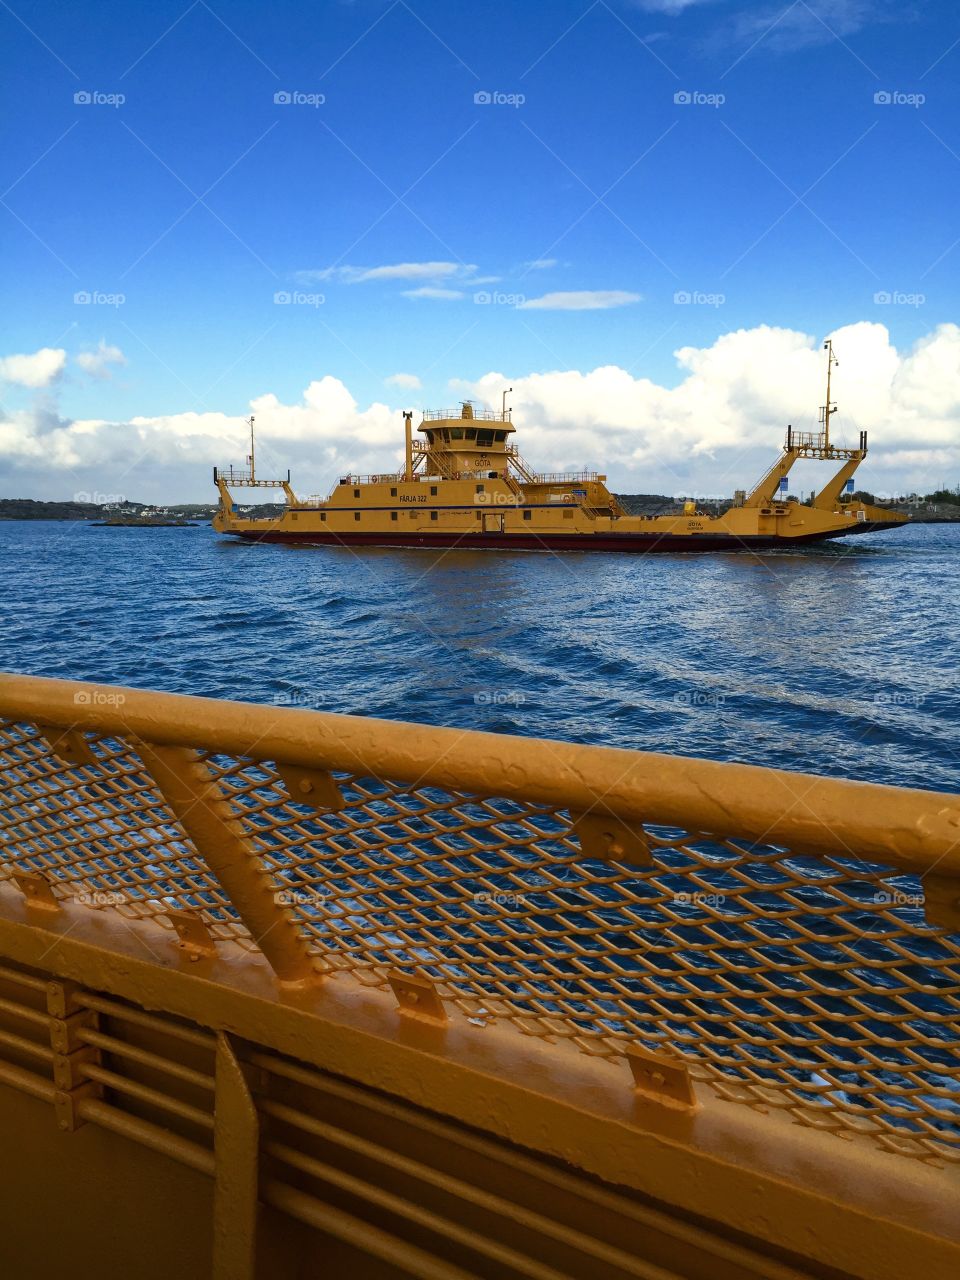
<point>841,660</point>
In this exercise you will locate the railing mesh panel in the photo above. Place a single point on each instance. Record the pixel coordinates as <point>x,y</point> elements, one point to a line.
<point>813,984</point>
<point>102,835</point>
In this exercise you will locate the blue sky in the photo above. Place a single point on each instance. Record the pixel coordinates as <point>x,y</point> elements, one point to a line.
<point>783,194</point>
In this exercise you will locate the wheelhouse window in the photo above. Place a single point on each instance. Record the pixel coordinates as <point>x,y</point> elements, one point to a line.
<point>456,433</point>
<point>485,439</point>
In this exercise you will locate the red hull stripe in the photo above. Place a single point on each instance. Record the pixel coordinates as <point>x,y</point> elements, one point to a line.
<point>552,542</point>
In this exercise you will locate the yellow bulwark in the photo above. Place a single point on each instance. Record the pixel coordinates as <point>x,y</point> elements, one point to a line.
<point>466,485</point>
<point>289,993</point>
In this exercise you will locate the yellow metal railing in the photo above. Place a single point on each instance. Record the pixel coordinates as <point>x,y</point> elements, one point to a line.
<point>781,940</point>
<point>458,415</point>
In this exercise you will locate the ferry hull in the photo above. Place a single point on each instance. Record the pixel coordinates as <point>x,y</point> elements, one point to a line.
<point>630,542</point>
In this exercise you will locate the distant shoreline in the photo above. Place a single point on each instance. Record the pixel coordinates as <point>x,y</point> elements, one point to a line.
<point>13,509</point>
<point>92,512</point>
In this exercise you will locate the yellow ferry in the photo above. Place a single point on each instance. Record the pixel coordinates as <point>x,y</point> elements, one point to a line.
<point>466,485</point>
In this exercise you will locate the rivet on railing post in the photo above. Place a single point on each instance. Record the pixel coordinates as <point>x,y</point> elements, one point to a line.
<point>195,937</point>
<point>37,890</point>
<point>661,1078</point>
<point>417,997</point>
<point>602,835</point>
<point>68,745</point>
<point>316,788</point>
<point>941,901</point>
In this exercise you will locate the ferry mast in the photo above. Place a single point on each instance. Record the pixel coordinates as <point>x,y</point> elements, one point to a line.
<point>252,458</point>
<point>829,408</point>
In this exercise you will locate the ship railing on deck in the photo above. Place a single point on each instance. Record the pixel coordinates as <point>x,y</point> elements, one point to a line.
<point>233,475</point>
<point>476,415</point>
<point>381,477</point>
<point>563,477</point>
<point>235,478</point>
<point>652,968</point>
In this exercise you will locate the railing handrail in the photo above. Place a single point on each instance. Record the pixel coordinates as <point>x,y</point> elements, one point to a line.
<point>814,438</point>
<point>564,477</point>
<point>379,477</point>
<point>232,476</point>
<point>478,415</point>
<point>915,830</point>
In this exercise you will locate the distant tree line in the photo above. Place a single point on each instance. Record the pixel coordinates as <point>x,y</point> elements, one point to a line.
<point>951,496</point>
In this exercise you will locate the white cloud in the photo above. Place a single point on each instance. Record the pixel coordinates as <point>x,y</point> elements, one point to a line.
<point>404,381</point>
<point>415,271</point>
<point>722,424</point>
<point>432,291</point>
<point>778,26</point>
<point>715,430</point>
<point>392,271</point>
<point>783,28</point>
<point>37,370</point>
<point>541,264</point>
<point>97,363</point>
<point>580,300</point>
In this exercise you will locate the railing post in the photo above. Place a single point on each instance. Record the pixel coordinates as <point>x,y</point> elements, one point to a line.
<point>191,790</point>
<point>236,1175</point>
